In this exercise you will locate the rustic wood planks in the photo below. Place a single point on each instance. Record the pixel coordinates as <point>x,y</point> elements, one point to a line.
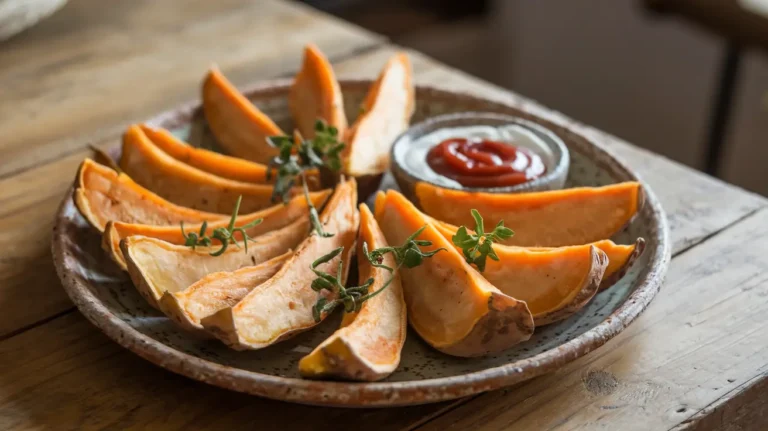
<point>92,68</point>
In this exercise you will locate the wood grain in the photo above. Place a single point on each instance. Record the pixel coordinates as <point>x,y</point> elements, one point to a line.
<point>743,409</point>
<point>66,375</point>
<point>705,335</point>
<point>96,66</point>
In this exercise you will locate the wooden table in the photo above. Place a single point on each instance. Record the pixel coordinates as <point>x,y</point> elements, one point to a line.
<point>696,359</point>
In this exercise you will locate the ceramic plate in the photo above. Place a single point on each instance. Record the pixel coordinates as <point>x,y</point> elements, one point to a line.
<point>108,299</point>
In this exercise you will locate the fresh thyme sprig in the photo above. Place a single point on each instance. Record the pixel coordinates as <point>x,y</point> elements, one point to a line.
<point>296,156</point>
<point>225,235</point>
<point>352,298</point>
<point>478,246</point>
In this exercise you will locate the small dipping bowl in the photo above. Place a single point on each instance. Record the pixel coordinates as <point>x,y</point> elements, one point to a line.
<point>409,151</point>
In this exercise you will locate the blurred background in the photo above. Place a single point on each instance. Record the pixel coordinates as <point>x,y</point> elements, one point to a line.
<point>684,78</point>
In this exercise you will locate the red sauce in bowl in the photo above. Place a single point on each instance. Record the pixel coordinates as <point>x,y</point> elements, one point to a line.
<point>484,163</point>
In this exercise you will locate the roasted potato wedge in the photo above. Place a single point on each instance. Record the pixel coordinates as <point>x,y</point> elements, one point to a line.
<point>101,194</point>
<point>282,306</point>
<point>156,266</point>
<point>217,291</point>
<point>239,127</point>
<point>316,94</point>
<point>271,218</point>
<point>367,347</point>
<point>541,219</point>
<point>386,113</point>
<point>186,185</point>
<point>450,305</point>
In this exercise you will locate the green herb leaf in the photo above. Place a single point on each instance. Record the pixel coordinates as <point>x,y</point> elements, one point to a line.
<point>296,156</point>
<point>478,246</point>
<point>352,298</point>
<point>225,235</point>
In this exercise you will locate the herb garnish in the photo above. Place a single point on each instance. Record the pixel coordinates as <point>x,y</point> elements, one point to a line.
<point>352,298</point>
<point>296,156</point>
<point>225,235</point>
<point>478,246</point>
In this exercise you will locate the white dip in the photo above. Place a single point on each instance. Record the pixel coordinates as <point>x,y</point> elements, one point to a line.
<point>413,157</point>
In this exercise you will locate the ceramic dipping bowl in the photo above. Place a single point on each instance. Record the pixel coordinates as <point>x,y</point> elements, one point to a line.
<point>410,149</point>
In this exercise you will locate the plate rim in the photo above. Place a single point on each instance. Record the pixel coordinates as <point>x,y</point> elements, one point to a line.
<point>376,394</point>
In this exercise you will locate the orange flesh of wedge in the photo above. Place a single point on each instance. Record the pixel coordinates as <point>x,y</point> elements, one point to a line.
<point>272,218</point>
<point>101,195</point>
<point>450,305</point>
<point>232,168</point>
<point>542,219</point>
<point>554,284</point>
<point>282,306</point>
<point>368,346</point>
<point>239,127</point>
<point>387,112</point>
<point>316,94</point>
<point>185,185</point>
<point>620,257</point>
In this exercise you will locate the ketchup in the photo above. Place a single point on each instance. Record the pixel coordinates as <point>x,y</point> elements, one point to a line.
<point>484,163</point>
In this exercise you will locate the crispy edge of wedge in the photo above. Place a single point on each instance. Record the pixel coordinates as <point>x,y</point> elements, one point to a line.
<point>88,211</point>
<point>616,275</point>
<point>170,304</point>
<point>371,98</point>
<point>581,294</point>
<point>222,323</point>
<point>215,81</point>
<point>111,236</point>
<point>316,68</point>
<point>137,145</point>
<point>490,331</point>
<point>338,355</point>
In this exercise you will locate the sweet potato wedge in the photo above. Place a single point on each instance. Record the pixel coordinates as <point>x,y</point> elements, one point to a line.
<point>282,306</point>
<point>620,257</point>
<point>272,218</point>
<point>231,168</point>
<point>450,305</point>
<point>316,94</point>
<point>555,284</point>
<point>387,111</point>
<point>156,266</point>
<point>217,291</point>
<point>367,347</point>
<point>239,127</point>
<point>185,185</point>
<point>542,219</point>
<point>101,195</point>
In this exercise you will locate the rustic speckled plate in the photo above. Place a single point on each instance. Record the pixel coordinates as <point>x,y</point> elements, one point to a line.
<point>107,298</point>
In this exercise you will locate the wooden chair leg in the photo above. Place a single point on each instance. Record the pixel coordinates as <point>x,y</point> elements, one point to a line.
<point>722,107</point>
